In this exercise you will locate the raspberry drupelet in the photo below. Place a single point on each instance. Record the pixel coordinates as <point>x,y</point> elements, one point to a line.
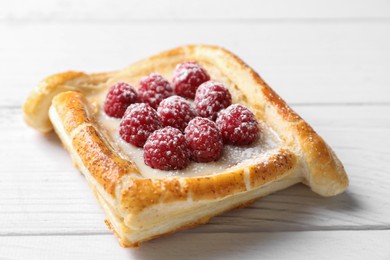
<point>138,123</point>
<point>204,140</point>
<point>153,89</point>
<point>175,111</point>
<point>210,98</point>
<point>187,77</point>
<point>118,98</point>
<point>167,149</point>
<point>238,125</point>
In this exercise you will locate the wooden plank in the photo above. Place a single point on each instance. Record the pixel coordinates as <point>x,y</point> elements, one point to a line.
<point>43,194</point>
<point>122,10</point>
<point>279,245</point>
<point>304,63</point>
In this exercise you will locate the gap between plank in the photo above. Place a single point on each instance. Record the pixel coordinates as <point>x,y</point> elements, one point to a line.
<point>51,20</point>
<point>349,104</point>
<point>100,233</point>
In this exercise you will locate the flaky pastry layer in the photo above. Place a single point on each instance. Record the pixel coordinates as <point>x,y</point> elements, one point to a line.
<point>140,208</point>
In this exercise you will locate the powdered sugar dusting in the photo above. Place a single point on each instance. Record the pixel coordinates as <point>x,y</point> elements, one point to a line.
<point>166,149</point>
<point>187,77</point>
<point>232,157</point>
<point>204,139</point>
<point>238,125</point>
<point>139,121</point>
<point>210,98</point>
<point>175,111</point>
<point>153,89</point>
<point>118,98</point>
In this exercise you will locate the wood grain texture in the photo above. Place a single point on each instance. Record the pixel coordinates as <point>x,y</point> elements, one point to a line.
<point>44,194</point>
<point>304,63</point>
<point>329,59</point>
<point>122,10</point>
<point>279,245</point>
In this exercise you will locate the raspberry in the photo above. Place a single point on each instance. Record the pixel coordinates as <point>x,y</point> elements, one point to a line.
<point>187,77</point>
<point>210,98</point>
<point>167,149</point>
<point>175,111</point>
<point>118,98</point>
<point>204,140</point>
<point>153,89</point>
<point>139,121</point>
<point>238,125</point>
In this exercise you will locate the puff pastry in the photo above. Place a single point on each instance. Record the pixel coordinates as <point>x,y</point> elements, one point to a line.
<point>142,203</point>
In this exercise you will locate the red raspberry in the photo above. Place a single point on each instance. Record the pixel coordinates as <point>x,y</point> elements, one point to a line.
<point>175,111</point>
<point>210,98</point>
<point>118,98</point>
<point>140,121</point>
<point>187,77</point>
<point>238,125</point>
<point>166,149</point>
<point>153,89</point>
<point>204,140</point>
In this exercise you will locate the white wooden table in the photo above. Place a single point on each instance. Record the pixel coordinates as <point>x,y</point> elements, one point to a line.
<point>330,60</point>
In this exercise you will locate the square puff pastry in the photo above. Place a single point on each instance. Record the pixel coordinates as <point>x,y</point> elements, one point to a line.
<point>140,208</point>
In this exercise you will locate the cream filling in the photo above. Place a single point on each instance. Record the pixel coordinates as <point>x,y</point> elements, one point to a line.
<point>164,218</point>
<point>233,156</point>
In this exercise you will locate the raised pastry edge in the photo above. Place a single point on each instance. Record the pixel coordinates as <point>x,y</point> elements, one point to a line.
<point>324,173</point>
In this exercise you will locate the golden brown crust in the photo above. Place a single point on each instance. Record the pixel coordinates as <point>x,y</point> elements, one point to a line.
<point>217,186</point>
<point>36,107</point>
<point>73,110</point>
<point>326,171</point>
<point>324,167</point>
<point>303,149</point>
<point>95,153</point>
<point>283,109</point>
<point>143,193</point>
<point>104,165</point>
<point>272,169</point>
